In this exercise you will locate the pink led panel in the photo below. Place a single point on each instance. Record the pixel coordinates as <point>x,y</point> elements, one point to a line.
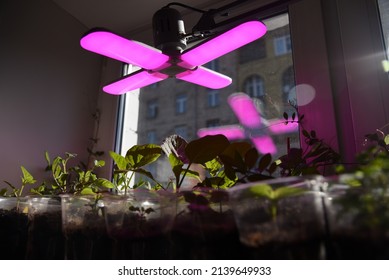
<point>245,111</point>
<point>134,81</point>
<point>279,126</point>
<point>224,43</point>
<point>205,77</point>
<point>122,49</point>
<point>264,144</point>
<point>232,132</point>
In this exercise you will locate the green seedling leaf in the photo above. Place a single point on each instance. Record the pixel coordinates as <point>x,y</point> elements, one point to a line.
<point>27,177</point>
<point>191,173</point>
<point>251,158</point>
<point>284,192</point>
<point>87,191</point>
<point>285,115</point>
<point>195,198</point>
<point>272,167</point>
<point>134,209</point>
<point>148,210</point>
<point>206,148</point>
<point>3,192</point>
<point>265,191</point>
<point>264,162</point>
<point>141,155</point>
<point>104,183</point>
<point>144,172</point>
<point>70,155</point>
<point>176,165</point>
<point>47,157</point>
<point>119,160</point>
<point>99,163</point>
<point>213,167</point>
<point>306,133</point>
<point>386,139</point>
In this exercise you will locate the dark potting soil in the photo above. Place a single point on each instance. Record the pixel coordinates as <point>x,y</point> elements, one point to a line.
<point>45,238</point>
<point>13,234</point>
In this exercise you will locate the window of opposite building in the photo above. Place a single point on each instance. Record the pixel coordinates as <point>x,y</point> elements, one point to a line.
<point>254,86</point>
<point>213,98</point>
<point>151,137</point>
<point>282,45</point>
<point>213,123</point>
<point>152,109</point>
<point>181,103</point>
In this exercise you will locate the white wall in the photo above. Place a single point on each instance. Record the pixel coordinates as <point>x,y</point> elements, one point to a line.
<point>48,87</point>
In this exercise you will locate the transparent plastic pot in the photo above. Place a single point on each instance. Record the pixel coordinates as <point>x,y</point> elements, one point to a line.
<point>288,222</point>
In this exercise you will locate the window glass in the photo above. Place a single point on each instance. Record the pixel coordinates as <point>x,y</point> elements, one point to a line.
<point>384,13</point>
<point>184,108</point>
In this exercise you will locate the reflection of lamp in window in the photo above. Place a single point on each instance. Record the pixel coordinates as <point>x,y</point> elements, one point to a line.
<point>169,58</point>
<point>252,126</point>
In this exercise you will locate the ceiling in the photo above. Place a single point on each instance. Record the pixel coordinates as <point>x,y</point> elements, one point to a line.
<point>125,16</point>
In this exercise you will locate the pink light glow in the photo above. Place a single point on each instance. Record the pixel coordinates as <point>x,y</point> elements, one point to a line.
<point>122,49</point>
<point>264,144</point>
<point>279,126</point>
<point>205,77</point>
<point>232,132</point>
<point>133,81</point>
<point>245,111</point>
<point>224,43</point>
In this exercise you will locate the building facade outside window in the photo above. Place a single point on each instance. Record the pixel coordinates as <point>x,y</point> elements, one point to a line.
<point>182,131</point>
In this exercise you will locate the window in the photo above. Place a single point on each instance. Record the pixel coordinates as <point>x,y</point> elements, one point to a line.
<point>182,106</point>
<point>384,14</point>
<point>282,45</point>
<point>254,86</point>
<point>213,98</point>
<point>181,101</point>
<point>152,109</point>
